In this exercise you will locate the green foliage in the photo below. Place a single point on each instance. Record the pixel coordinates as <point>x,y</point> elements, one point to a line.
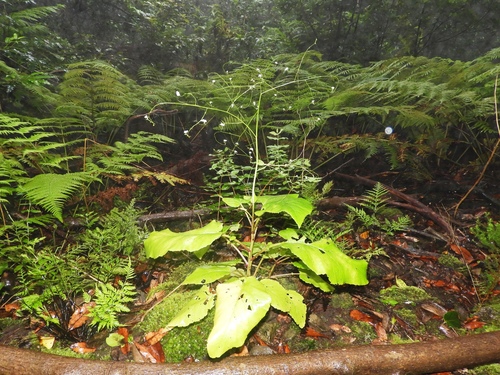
<point>278,174</point>
<point>242,297</point>
<point>181,342</point>
<point>375,202</point>
<point>403,294</point>
<point>117,233</point>
<point>25,39</point>
<point>488,234</point>
<point>110,301</point>
<point>27,143</point>
<point>95,98</point>
<point>51,190</point>
<point>47,275</point>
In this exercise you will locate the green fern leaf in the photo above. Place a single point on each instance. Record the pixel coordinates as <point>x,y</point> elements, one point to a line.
<point>51,190</point>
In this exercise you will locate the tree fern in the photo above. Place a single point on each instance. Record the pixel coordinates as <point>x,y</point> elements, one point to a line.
<point>11,172</point>
<point>51,190</point>
<point>29,143</point>
<point>95,97</point>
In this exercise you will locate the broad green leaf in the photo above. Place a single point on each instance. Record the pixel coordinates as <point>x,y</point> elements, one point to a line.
<point>325,258</point>
<point>200,253</point>
<point>240,306</point>
<point>288,301</point>
<point>115,339</point>
<point>210,273</point>
<point>297,208</point>
<point>289,234</point>
<point>236,202</point>
<point>159,243</point>
<point>308,276</point>
<point>452,319</point>
<point>195,310</point>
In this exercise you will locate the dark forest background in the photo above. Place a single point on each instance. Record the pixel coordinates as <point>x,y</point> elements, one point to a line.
<point>209,35</point>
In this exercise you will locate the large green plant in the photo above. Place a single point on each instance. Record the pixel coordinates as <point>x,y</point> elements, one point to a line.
<point>242,291</point>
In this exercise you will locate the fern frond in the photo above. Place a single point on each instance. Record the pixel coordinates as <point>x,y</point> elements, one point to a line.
<point>375,199</point>
<point>51,190</point>
<point>366,219</point>
<point>11,172</point>
<point>27,17</point>
<point>149,75</point>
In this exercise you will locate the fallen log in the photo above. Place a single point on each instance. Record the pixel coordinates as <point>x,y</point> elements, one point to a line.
<point>414,358</point>
<point>172,215</point>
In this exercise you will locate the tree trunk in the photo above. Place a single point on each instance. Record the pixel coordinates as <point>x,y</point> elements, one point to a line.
<point>415,358</point>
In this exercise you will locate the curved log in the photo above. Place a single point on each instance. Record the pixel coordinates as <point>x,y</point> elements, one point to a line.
<point>415,358</point>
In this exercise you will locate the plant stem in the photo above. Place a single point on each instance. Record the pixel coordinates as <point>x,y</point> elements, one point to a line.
<point>254,221</point>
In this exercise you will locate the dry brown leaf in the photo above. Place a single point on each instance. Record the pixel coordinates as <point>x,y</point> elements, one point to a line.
<point>125,348</point>
<point>460,250</point>
<point>14,306</point>
<point>340,328</point>
<point>243,352</point>
<point>361,316</point>
<point>153,337</point>
<point>311,332</point>
<point>82,348</point>
<point>80,316</point>
<point>151,353</point>
<point>434,308</point>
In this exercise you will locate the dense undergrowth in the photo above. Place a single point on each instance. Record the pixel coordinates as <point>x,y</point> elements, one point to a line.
<point>89,151</point>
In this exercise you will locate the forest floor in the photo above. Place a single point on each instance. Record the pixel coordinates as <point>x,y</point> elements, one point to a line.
<point>426,283</point>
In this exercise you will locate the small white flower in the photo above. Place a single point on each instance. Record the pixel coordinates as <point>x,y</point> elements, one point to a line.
<point>210,102</point>
<point>236,144</point>
<point>186,132</point>
<point>230,79</point>
<point>251,149</point>
<point>275,63</point>
<point>235,152</point>
<point>203,121</point>
<point>286,69</point>
<point>225,141</point>
<point>222,124</point>
<point>260,75</point>
<point>312,101</point>
<point>177,93</point>
<point>258,69</point>
<point>254,103</point>
<point>333,88</point>
<point>146,117</point>
<point>213,80</point>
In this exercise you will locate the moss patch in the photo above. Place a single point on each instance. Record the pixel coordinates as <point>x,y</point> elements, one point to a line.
<point>403,294</point>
